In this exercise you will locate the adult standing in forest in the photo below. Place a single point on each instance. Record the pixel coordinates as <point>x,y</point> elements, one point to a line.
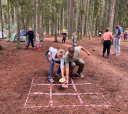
<point>31,36</point>
<point>64,33</point>
<point>117,39</point>
<point>107,36</point>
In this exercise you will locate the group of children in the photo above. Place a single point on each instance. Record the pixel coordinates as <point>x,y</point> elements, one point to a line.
<point>74,37</point>
<point>31,38</point>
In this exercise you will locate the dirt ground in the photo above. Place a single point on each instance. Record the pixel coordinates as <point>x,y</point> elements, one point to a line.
<point>19,66</point>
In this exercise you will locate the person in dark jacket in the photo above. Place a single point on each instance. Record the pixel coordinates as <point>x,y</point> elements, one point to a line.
<point>31,36</point>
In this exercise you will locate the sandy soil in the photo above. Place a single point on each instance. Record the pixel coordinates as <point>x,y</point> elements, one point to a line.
<point>19,66</point>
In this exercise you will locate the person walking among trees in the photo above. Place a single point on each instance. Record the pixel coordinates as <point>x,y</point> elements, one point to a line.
<point>31,37</point>
<point>99,34</point>
<point>117,39</point>
<point>107,37</point>
<point>55,55</point>
<point>64,33</point>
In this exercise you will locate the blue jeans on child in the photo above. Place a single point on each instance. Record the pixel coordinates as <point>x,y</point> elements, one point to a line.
<point>51,66</point>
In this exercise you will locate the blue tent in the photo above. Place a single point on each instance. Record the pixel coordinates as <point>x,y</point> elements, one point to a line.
<point>22,32</point>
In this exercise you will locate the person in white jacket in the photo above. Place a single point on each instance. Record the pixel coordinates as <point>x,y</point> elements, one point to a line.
<point>55,55</point>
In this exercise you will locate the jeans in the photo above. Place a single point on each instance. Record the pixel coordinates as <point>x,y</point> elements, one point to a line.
<point>51,67</point>
<point>116,43</point>
<point>30,40</point>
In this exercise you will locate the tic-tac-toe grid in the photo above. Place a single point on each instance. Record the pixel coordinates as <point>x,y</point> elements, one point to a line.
<point>77,95</point>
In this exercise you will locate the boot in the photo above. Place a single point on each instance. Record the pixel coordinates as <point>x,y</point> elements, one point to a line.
<point>103,54</point>
<point>108,56</point>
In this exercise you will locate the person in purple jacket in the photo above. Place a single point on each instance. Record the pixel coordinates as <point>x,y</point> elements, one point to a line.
<point>125,36</point>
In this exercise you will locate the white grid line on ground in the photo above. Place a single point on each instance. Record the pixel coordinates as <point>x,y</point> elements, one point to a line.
<point>94,106</point>
<point>51,102</point>
<point>58,77</point>
<point>41,93</point>
<point>29,93</point>
<point>62,84</point>
<point>76,91</point>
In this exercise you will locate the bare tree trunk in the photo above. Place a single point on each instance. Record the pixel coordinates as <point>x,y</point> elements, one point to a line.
<point>40,23</point>
<point>111,14</point>
<point>35,19</point>
<point>18,30</point>
<point>61,21</point>
<point>56,31</point>
<point>22,20</point>
<point>9,33</point>
<point>1,19</point>
<point>52,29</point>
<point>11,20</point>
<point>99,23</point>
<point>14,16</point>
<point>87,18</point>
<point>92,21</point>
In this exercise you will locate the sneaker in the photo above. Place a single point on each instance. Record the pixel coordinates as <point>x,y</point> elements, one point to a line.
<point>114,54</point>
<point>26,47</point>
<point>80,75</point>
<point>51,80</point>
<point>117,54</point>
<point>58,75</point>
<point>33,47</point>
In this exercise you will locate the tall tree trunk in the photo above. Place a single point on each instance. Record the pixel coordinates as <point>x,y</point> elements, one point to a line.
<point>10,20</point>
<point>87,15</point>
<point>99,23</point>
<point>14,20</point>
<point>9,33</point>
<point>106,14</point>
<point>40,29</point>
<point>18,30</point>
<point>22,20</point>
<point>52,25</point>
<point>111,14</point>
<point>56,31</point>
<point>35,19</point>
<point>92,21</point>
<point>61,20</point>
<point>1,18</point>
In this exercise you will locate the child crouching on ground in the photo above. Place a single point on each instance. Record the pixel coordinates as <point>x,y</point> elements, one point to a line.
<point>37,41</point>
